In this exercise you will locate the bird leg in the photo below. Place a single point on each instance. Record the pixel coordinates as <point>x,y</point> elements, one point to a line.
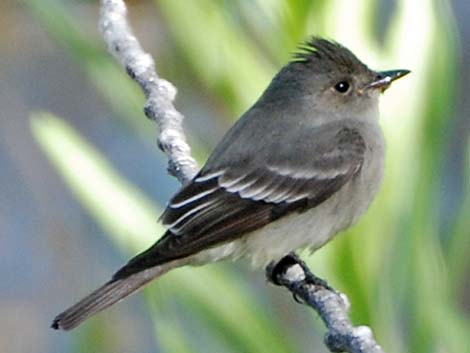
<point>290,269</point>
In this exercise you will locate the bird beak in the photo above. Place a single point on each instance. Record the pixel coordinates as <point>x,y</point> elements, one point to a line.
<point>385,78</point>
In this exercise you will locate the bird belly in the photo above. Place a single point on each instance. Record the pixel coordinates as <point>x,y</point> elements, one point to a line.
<point>312,228</point>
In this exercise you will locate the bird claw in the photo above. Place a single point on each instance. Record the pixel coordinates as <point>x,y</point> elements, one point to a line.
<point>319,282</point>
<point>276,270</point>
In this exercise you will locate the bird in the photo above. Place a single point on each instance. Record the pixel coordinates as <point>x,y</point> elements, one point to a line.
<point>300,166</point>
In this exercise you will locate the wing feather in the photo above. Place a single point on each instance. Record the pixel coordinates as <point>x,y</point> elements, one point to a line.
<point>225,202</point>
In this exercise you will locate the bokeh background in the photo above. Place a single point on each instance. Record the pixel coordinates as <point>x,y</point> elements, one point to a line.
<point>82,182</point>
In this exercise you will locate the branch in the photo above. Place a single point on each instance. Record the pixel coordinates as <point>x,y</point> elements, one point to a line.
<point>160,93</point>
<point>291,272</point>
<point>332,306</point>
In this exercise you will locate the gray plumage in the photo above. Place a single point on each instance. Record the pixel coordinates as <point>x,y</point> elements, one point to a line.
<point>301,165</point>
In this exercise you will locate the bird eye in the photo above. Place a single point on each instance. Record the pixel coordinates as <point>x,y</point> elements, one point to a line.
<point>342,87</point>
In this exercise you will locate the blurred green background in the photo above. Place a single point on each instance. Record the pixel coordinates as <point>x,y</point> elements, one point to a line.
<point>82,182</point>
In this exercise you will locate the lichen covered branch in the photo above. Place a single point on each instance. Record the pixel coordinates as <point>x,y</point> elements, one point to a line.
<point>332,306</point>
<point>160,93</point>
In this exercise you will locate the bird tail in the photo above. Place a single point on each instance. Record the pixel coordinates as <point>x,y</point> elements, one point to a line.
<point>108,294</point>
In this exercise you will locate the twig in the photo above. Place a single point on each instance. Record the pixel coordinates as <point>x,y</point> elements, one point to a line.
<point>290,271</point>
<point>159,92</point>
<point>332,306</point>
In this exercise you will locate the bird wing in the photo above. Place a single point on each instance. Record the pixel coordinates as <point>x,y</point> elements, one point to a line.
<point>224,202</point>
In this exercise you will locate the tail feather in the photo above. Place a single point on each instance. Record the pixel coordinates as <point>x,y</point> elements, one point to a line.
<point>107,295</point>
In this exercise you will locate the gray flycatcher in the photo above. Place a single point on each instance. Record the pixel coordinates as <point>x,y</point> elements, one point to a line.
<point>302,164</point>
